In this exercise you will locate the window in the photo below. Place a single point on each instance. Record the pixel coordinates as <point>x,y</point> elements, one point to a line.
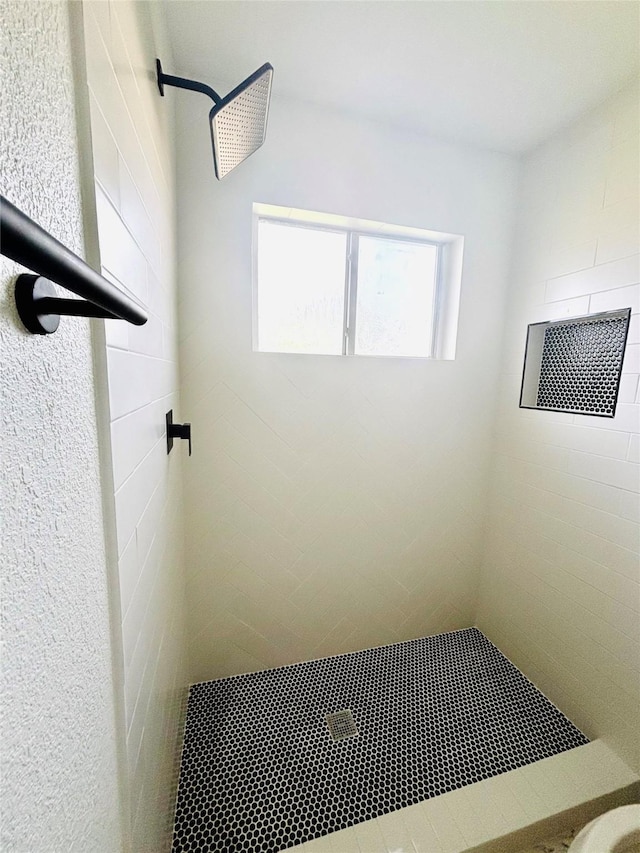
<point>328,285</point>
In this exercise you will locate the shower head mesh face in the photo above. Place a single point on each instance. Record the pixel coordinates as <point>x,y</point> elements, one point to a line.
<point>239,121</point>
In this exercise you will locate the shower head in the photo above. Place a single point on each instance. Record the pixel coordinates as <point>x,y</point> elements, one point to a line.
<point>238,121</point>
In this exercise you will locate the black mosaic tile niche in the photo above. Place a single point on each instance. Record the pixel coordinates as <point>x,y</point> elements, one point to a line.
<point>261,772</point>
<point>575,365</point>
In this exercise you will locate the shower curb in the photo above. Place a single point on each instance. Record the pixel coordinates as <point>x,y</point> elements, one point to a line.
<point>504,814</point>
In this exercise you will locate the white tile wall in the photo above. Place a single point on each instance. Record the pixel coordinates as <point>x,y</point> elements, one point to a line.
<point>560,590</point>
<point>333,504</point>
<point>134,180</point>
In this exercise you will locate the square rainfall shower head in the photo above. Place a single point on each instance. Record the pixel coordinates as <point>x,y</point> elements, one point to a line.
<point>239,121</point>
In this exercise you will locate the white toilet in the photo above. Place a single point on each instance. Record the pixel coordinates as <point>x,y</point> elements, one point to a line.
<point>617,831</point>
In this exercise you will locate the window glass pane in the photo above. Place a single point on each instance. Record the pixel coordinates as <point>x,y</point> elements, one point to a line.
<point>395,297</point>
<point>301,277</point>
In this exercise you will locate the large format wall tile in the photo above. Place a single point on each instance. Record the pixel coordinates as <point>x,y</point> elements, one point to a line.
<point>134,174</point>
<point>560,587</point>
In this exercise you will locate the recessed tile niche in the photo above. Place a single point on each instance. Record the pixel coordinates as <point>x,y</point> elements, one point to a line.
<point>574,365</point>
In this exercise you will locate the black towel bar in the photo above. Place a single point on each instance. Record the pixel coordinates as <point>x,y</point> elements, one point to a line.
<point>25,242</point>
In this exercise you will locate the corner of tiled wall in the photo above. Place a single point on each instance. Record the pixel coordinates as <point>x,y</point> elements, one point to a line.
<point>559,592</point>
<point>133,156</point>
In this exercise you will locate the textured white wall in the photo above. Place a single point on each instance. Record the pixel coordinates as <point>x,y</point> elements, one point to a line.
<point>332,503</point>
<point>559,591</point>
<point>59,774</point>
<point>132,135</point>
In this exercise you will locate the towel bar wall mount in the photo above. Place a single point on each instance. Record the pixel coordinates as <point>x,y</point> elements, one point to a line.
<point>40,308</point>
<point>24,241</point>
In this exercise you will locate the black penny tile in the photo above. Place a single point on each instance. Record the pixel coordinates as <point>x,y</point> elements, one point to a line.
<point>581,365</point>
<point>261,770</point>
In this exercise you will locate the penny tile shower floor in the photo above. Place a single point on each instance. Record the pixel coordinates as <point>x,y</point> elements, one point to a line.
<point>261,771</point>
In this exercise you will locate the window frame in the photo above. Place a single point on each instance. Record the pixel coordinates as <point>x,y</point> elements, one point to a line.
<point>448,269</point>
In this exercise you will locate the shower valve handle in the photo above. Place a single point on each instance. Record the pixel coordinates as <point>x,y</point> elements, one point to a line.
<point>177,431</point>
<point>182,431</point>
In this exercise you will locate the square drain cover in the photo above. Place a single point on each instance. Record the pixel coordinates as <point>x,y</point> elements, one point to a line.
<point>341,725</point>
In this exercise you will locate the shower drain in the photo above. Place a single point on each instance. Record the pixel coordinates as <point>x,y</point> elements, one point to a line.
<point>341,724</point>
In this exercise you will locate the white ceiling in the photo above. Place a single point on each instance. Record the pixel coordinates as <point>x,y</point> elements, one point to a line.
<point>502,74</point>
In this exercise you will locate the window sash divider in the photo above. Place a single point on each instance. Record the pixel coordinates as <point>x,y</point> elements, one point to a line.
<point>345,305</point>
<point>352,293</point>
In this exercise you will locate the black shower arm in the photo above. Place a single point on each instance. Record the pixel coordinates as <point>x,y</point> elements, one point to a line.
<point>183,83</point>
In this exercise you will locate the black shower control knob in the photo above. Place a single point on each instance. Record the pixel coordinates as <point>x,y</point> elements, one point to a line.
<point>177,431</point>
<point>183,431</point>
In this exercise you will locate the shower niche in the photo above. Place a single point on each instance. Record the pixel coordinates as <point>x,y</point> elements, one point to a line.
<point>574,365</point>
